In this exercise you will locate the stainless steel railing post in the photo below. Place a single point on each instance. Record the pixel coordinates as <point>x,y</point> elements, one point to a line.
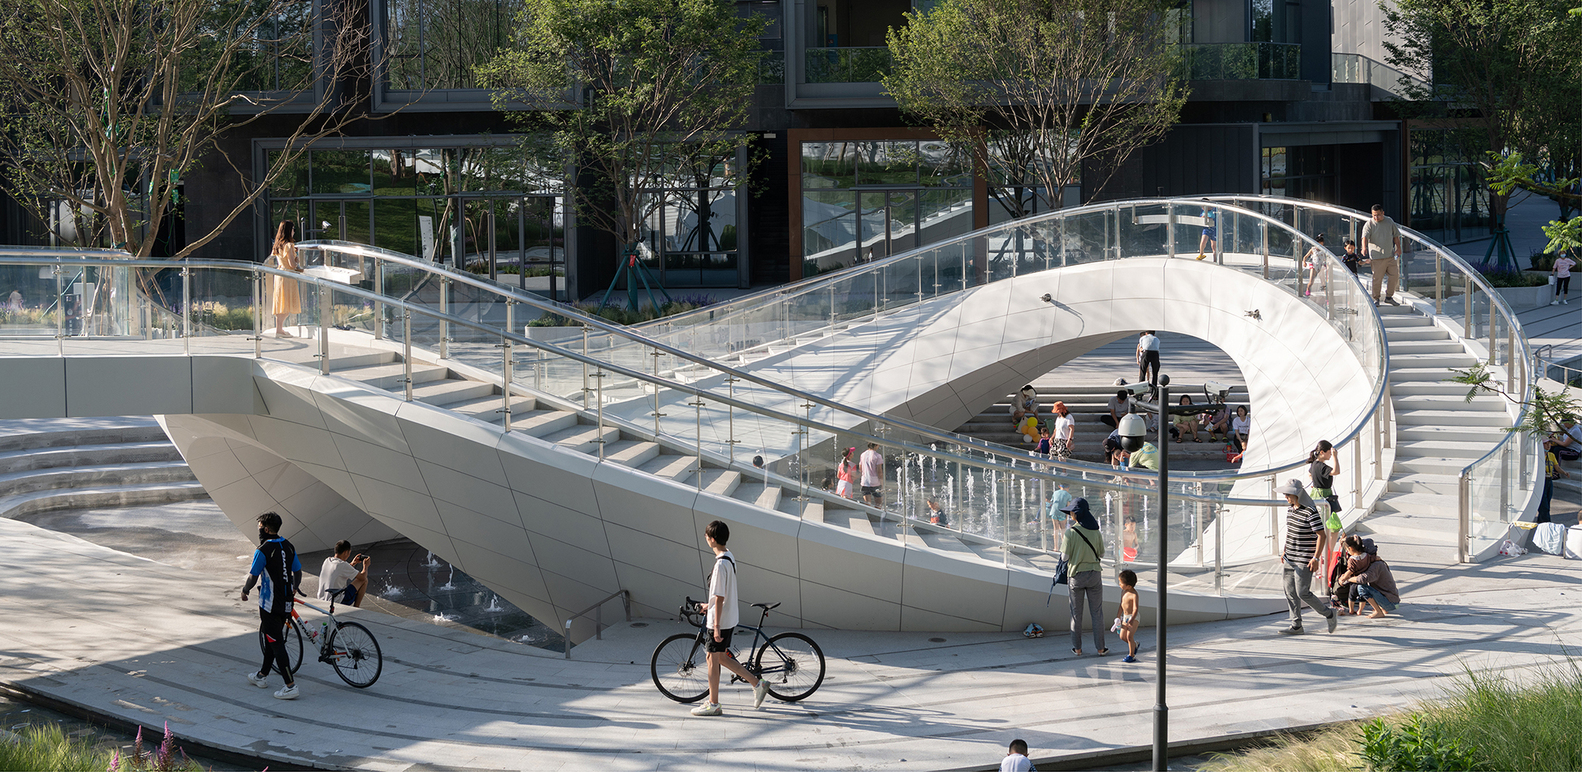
<point>406,350</point>
<point>258,313</point>
<point>379,306</point>
<point>1439,283</point>
<point>186,311</point>
<point>325,309</point>
<point>444,323</point>
<point>60,309</point>
<point>1464,518</point>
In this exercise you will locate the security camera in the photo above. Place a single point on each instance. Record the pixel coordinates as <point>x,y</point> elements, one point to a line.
<point>1133,431</point>
<point>1139,388</point>
<point>1216,390</point>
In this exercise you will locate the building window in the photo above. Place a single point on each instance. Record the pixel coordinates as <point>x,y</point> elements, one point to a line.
<point>863,200</point>
<point>694,233</point>
<point>455,205</point>
<point>435,44</point>
<point>1305,172</point>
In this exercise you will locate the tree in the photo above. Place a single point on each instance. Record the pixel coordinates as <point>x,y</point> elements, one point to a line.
<point>1034,89</point>
<point>107,103</point>
<point>1494,63</point>
<point>633,93</point>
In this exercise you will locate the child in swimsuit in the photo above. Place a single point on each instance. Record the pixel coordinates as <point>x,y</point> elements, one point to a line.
<point>1126,620</point>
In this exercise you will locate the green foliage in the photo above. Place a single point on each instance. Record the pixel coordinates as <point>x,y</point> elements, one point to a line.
<point>1331,750</point>
<point>663,83</point>
<point>1526,726</point>
<point>1514,279</point>
<point>41,747</point>
<point>220,316</point>
<point>1543,412</point>
<point>1416,746</point>
<point>1034,89</point>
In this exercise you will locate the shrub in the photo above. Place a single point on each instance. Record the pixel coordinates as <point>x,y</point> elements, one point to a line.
<point>48,747</point>
<point>1416,746</point>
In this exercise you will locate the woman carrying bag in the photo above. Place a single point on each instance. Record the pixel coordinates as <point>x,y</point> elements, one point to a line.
<point>1082,547</point>
<point>287,298</point>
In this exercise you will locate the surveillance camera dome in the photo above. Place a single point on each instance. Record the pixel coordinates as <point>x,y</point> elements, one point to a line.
<point>1133,432</point>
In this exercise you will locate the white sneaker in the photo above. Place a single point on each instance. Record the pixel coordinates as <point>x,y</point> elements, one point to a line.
<point>708,709</point>
<point>1566,302</point>
<point>262,683</point>
<point>1554,302</point>
<point>759,692</point>
<point>287,693</point>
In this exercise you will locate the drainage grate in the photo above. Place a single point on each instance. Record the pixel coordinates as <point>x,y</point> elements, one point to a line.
<point>936,640</point>
<point>639,624</point>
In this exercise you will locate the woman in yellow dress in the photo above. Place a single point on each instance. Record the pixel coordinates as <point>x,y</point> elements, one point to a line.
<point>287,298</point>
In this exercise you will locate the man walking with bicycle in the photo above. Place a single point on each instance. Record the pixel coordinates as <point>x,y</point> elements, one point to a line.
<point>721,622</point>
<point>275,563</point>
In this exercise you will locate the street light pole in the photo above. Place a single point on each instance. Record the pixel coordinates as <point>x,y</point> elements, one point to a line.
<point>1161,711</point>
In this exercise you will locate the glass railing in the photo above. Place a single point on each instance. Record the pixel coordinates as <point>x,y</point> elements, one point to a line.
<point>1496,489</point>
<point>1356,68</point>
<point>993,505</point>
<point>850,64</point>
<point>1241,61</point>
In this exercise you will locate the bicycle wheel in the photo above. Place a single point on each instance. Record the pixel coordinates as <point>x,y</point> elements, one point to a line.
<point>294,637</point>
<point>792,664</point>
<point>680,668</point>
<point>355,655</point>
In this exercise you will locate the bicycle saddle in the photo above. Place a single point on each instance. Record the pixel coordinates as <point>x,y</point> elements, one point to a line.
<point>766,606</point>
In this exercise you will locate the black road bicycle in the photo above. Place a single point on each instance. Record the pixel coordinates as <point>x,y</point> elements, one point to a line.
<point>347,646</point>
<point>791,663</point>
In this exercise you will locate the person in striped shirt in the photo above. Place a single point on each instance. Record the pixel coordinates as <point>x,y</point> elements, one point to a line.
<point>1306,541</point>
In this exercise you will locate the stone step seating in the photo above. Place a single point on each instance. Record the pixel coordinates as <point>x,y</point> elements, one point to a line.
<point>568,428</point>
<point>1438,433</point>
<point>1088,403</point>
<point>89,463</point>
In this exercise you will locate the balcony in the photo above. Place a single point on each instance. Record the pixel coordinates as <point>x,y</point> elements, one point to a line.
<point>851,64</point>
<point>1241,61</point>
<point>1356,68</point>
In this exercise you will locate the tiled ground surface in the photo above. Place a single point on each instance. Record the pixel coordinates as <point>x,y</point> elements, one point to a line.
<point>130,637</point>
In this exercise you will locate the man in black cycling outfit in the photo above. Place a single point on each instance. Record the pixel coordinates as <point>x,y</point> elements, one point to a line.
<point>275,561</point>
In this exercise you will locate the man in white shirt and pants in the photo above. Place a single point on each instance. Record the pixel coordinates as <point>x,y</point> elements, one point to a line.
<point>721,623</point>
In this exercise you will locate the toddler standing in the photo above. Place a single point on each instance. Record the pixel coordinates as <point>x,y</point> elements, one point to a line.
<point>1126,618</point>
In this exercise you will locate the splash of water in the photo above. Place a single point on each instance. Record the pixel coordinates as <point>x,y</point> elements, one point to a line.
<point>443,617</point>
<point>494,604</point>
<point>450,583</point>
<point>431,562</point>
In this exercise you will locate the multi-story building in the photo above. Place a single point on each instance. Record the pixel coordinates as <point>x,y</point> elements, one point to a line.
<point>1288,97</point>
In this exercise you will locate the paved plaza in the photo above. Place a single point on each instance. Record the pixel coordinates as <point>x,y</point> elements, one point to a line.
<point>141,641</point>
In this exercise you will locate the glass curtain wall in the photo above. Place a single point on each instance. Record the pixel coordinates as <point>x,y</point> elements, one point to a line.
<point>693,234</point>
<point>1306,172</point>
<point>481,208</point>
<point>1449,197</point>
<point>435,44</point>
<point>863,200</point>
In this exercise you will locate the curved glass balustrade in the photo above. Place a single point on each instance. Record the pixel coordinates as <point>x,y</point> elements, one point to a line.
<point>1495,489</point>
<point>992,497</point>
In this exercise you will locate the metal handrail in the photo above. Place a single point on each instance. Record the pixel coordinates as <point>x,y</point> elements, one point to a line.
<point>1031,470</point>
<point>878,265</point>
<point>1496,301</point>
<point>597,610</point>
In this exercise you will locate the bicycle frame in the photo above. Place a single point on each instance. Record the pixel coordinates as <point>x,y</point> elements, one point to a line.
<point>760,640</point>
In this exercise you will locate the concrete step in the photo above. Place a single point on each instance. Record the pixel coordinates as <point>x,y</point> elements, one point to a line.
<point>451,391</point>
<point>1415,332</point>
<point>1387,310</point>
<point>812,509</point>
<point>1400,321</point>
<point>1441,449</point>
<point>1457,403</point>
<point>670,467</point>
<point>1416,527</point>
<point>1420,503</point>
<point>94,476</point>
<point>1440,465</point>
<point>540,423</point>
<point>88,455</point>
<point>1405,347</point>
<point>64,438</point>
<point>487,408</point>
<point>1405,361</point>
<point>1417,482</point>
<point>363,359</point>
<point>720,482</point>
<point>1488,436</point>
<point>583,439</point>
<point>759,494</point>
<point>99,497</point>
<point>1414,388</point>
<point>391,377</point>
<point>631,452</point>
<point>1421,375</point>
<point>1451,418</point>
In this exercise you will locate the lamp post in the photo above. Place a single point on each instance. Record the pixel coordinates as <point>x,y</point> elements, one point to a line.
<point>1133,433</point>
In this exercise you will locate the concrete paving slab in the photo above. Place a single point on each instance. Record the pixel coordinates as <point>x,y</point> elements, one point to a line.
<point>147,642</point>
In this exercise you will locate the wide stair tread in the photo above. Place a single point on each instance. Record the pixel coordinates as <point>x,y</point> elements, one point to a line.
<point>631,452</point>
<point>391,377</point>
<point>451,391</point>
<point>77,455</point>
<point>670,467</point>
<point>94,475</point>
<point>583,438</point>
<point>540,423</point>
<point>490,408</point>
<point>100,497</point>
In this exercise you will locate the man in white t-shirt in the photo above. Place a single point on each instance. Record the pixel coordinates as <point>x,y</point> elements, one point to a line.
<point>1016,758</point>
<point>343,576</point>
<point>872,465</point>
<point>1148,357</point>
<point>721,622</point>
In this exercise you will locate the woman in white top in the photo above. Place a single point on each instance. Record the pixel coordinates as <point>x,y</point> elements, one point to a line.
<point>1240,427</point>
<point>1562,271</point>
<point>1063,442</point>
